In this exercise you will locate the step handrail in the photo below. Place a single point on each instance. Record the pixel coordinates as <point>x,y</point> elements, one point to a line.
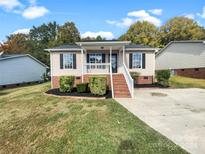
<point>129,80</point>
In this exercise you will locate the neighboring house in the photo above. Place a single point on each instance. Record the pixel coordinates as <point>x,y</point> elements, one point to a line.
<point>114,59</point>
<point>17,69</point>
<point>184,58</point>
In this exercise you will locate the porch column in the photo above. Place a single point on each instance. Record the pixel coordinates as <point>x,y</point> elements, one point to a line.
<point>123,54</point>
<point>111,59</point>
<point>82,65</point>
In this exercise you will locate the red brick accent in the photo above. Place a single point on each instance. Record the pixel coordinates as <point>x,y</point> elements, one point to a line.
<point>198,73</point>
<point>144,80</point>
<point>55,81</point>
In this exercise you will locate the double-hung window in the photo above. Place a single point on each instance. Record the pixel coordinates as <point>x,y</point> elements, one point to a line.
<point>68,61</point>
<point>137,60</point>
<point>95,58</point>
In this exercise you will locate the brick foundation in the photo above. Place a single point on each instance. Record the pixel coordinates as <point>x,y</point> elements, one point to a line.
<point>55,80</point>
<point>198,73</point>
<point>56,84</point>
<point>144,80</point>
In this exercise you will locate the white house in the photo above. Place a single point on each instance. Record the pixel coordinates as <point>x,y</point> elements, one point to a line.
<point>17,69</point>
<point>114,59</point>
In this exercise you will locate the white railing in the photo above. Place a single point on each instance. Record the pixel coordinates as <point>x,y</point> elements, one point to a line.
<point>93,68</point>
<point>129,80</point>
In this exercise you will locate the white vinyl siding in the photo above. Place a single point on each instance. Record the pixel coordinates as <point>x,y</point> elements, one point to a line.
<point>20,70</point>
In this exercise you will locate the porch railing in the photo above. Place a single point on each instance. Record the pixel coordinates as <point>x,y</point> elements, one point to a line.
<point>93,68</point>
<point>129,80</point>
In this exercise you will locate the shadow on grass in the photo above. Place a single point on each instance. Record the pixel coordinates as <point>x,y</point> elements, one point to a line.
<point>128,147</point>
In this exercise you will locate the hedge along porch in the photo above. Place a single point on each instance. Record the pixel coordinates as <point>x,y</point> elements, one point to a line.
<point>114,59</point>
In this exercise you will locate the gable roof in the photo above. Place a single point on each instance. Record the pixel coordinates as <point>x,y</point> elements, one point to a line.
<point>172,42</point>
<point>73,47</point>
<point>181,55</point>
<point>12,56</point>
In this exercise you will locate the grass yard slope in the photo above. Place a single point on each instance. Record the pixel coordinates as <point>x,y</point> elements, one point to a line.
<point>185,82</point>
<point>32,122</point>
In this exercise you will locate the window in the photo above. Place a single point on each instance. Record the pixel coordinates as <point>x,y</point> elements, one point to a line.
<point>96,58</point>
<point>137,60</point>
<point>68,61</point>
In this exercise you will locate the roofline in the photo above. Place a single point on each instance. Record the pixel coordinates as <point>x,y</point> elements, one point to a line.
<point>25,55</point>
<point>63,49</point>
<point>148,49</point>
<point>185,41</point>
<point>103,42</point>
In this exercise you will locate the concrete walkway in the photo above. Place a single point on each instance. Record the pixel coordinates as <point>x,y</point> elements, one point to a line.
<point>178,114</point>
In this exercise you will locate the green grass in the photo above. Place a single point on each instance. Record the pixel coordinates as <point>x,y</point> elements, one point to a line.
<point>184,82</point>
<point>32,122</point>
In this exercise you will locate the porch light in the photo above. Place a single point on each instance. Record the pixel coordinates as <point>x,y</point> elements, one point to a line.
<point>102,48</point>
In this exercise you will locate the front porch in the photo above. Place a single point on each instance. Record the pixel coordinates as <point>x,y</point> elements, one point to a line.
<point>107,59</point>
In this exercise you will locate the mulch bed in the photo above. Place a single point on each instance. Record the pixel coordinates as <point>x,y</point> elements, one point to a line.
<point>74,93</point>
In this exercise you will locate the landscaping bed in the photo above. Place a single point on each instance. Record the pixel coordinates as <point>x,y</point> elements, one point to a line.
<point>74,93</point>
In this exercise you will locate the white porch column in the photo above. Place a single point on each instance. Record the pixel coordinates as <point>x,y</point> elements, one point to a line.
<point>123,55</point>
<point>82,65</point>
<point>111,80</point>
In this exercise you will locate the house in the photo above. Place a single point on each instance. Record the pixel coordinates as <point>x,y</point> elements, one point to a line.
<point>17,69</point>
<point>114,59</point>
<point>184,58</point>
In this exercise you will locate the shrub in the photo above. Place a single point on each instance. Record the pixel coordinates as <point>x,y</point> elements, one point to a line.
<point>81,88</point>
<point>163,77</point>
<point>135,75</point>
<point>66,83</point>
<point>98,85</point>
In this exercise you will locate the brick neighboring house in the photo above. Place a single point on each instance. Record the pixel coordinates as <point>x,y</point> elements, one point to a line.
<point>114,59</point>
<point>184,58</point>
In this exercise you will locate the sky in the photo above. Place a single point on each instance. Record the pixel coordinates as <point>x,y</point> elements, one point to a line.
<point>108,18</point>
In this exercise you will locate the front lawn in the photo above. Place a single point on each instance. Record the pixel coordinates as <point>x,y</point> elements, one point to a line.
<point>31,122</point>
<point>184,82</point>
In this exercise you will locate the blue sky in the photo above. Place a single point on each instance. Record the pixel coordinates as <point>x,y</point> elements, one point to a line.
<point>109,18</point>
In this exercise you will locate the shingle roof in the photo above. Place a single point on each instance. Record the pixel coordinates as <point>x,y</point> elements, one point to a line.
<point>137,46</point>
<point>66,46</point>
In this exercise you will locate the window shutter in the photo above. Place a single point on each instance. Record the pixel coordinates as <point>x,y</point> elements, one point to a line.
<point>61,61</point>
<point>130,60</point>
<point>74,61</point>
<point>143,60</point>
<point>103,58</point>
<point>88,58</point>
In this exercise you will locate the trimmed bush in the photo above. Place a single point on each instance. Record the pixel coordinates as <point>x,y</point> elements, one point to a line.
<point>66,83</point>
<point>81,88</point>
<point>163,77</point>
<point>135,75</point>
<point>98,85</point>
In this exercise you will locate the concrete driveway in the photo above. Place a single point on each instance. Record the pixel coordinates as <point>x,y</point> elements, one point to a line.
<point>178,114</point>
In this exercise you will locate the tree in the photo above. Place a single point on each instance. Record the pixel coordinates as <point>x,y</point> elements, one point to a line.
<point>142,33</point>
<point>68,33</point>
<point>15,44</point>
<point>181,28</point>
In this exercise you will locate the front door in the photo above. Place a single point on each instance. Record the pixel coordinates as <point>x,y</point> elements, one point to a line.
<point>114,63</point>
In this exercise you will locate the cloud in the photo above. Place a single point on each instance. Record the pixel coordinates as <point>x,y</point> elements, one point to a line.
<point>22,31</point>
<point>134,16</point>
<point>142,15</point>
<point>32,2</point>
<point>190,16</point>
<point>156,11</point>
<point>126,22</point>
<point>202,15</point>
<point>34,12</point>
<point>9,4</point>
<point>103,34</point>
